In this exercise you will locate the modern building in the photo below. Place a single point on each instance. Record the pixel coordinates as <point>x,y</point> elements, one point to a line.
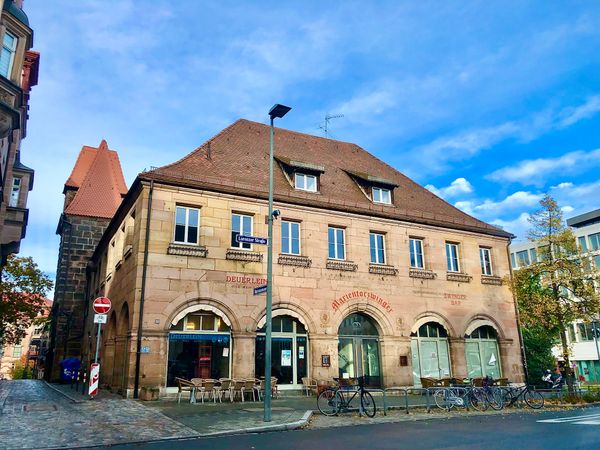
<point>93,192</point>
<point>18,74</point>
<point>32,348</point>
<point>586,228</point>
<point>374,275</point>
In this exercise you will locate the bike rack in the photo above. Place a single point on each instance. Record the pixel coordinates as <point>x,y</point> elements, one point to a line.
<point>406,391</point>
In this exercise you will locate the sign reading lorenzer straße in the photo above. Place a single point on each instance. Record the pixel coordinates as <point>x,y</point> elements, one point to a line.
<point>338,302</point>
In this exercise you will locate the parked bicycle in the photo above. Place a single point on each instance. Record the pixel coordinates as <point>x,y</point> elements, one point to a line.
<point>450,397</point>
<point>532,398</point>
<point>336,399</point>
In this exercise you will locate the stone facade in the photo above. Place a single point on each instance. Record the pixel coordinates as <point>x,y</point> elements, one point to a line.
<point>317,291</point>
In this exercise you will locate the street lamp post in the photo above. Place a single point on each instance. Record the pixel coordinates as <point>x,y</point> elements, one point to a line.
<point>277,111</point>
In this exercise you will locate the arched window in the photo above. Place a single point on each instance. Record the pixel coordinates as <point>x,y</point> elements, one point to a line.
<point>481,350</point>
<point>357,325</point>
<point>430,355</point>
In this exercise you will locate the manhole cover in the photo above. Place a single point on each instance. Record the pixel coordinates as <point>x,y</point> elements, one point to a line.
<point>276,408</point>
<point>39,407</point>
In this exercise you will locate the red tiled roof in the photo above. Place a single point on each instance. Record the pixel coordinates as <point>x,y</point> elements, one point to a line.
<point>99,180</point>
<point>237,159</point>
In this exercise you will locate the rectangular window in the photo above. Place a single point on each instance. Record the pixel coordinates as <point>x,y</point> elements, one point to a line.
<point>594,241</point>
<point>305,182</point>
<point>241,224</point>
<point>582,243</point>
<point>7,56</point>
<point>377,244</point>
<point>290,237</point>
<point>416,253</point>
<point>337,248</point>
<point>513,261</point>
<point>452,257</point>
<point>17,351</point>
<point>186,225</point>
<point>485,256</point>
<point>585,331</point>
<point>14,192</point>
<point>523,258</point>
<point>533,255</point>
<point>381,195</point>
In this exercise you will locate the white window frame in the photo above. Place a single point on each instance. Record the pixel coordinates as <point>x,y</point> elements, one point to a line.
<point>412,248</point>
<point>12,51</point>
<point>241,245</point>
<point>483,251</point>
<point>15,192</point>
<point>335,243</point>
<point>451,268</point>
<point>380,196</point>
<point>289,224</point>
<point>300,181</point>
<point>186,226</point>
<point>376,235</point>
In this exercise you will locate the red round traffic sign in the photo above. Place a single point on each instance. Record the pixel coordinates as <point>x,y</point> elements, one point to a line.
<point>102,305</point>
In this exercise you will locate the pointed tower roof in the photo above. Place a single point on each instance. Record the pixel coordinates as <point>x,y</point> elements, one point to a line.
<point>99,181</point>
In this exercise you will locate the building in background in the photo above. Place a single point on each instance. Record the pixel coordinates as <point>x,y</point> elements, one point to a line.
<point>18,73</point>
<point>30,352</point>
<point>93,192</point>
<point>374,275</point>
<point>586,228</point>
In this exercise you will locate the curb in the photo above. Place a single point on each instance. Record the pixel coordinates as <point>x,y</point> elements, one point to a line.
<point>64,394</point>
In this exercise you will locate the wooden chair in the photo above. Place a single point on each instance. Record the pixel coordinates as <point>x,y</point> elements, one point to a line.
<point>184,385</point>
<point>199,388</point>
<point>309,385</point>
<point>220,389</point>
<point>478,382</point>
<point>237,387</point>
<point>260,389</point>
<point>209,389</point>
<point>249,388</point>
<point>427,382</point>
<point>274,388</point>
<point>501,382</point>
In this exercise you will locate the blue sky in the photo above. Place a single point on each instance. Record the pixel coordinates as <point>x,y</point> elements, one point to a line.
<point>489,104</point>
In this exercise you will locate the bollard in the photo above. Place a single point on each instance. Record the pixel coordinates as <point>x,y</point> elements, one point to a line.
<point>72,378</point>
<point>84,383</point>
<point>77,380</point>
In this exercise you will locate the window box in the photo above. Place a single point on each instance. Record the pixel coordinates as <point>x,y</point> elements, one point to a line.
<point>346,266</point>
<point>187,250</point>
<point>422,273</point>
<point>294,260</point>
<point>381,269</point>
<point>460,277</point>
<point>243,255</point>
<point>487,279</point>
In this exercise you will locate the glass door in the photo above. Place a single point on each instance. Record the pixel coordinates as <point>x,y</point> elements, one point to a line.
<point>359,357</point>
<point>370,361</point>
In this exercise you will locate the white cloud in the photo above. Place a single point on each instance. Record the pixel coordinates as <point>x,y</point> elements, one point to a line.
<point>487,208</point>
<point>535,171</point>
<point>567,209</point>
<point>518,226</point>
<point>571,116</point>
<point>459,186</point>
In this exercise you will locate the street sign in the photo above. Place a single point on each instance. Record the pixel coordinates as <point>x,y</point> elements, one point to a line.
<point>260,290</point>
<point>145,349</point>
<point>251,240</point>
<point>94,378</point>
<point>102,305</point>
<point>100,318</point>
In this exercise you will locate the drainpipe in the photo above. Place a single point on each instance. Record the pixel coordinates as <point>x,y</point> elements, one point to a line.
<point>143,295</point>
<point>521,344</point>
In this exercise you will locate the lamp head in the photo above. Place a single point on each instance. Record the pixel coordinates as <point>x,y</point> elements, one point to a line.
<point>278,111</point>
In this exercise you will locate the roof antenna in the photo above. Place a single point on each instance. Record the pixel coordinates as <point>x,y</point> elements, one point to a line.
<point>325,125</point>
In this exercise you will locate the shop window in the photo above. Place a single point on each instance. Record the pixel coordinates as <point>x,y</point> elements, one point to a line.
<point>305,182</point>
<point>416,253</point>
<point>377,246</point>
<point>187,221</point>
<point>290,237</point>
<point>7,57</point>
<point>452,260</point>
<point>241,224</point>
<point>336,240</point>
<point>381,195</point>
<point>485,257</point>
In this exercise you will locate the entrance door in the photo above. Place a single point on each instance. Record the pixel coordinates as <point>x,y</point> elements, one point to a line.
<point>359,357</point>
<point>282,367</point>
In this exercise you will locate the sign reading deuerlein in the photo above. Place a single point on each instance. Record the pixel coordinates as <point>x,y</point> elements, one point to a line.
<point>339,302</point>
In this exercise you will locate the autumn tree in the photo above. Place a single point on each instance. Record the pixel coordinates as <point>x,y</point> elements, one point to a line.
<point>559,287</point>
<point>22,290</point>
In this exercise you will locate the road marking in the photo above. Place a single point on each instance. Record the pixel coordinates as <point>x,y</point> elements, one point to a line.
<point>590,419</point>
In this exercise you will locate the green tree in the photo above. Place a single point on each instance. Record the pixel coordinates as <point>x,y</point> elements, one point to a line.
<point>538,342</point>
<point>22,288</point>
<point>558,288</point>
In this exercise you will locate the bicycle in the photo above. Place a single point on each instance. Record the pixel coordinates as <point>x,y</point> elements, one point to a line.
<point>493,394</point>
<point>448,398</point>
<point>532,398</point>
<point>335,399</point>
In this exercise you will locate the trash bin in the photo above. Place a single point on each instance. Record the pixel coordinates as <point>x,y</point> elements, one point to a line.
<point>69,368</point>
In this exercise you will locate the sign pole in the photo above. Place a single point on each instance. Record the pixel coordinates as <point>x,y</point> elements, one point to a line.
<point>97,344</point>
<point>102,306</point>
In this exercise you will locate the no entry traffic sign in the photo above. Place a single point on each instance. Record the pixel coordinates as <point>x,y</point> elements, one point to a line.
<point>102,305</point>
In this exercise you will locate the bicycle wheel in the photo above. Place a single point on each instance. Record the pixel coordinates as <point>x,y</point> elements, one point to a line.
<point>441,399</point>
<point>478,399</point>
<point>329,402</point>
<point>508,397</point>
<point>494,398</point>
<point>368,404</point>
<point>533,399</point>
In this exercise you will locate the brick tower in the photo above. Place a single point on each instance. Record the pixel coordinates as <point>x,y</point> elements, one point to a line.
<point>93,192</point>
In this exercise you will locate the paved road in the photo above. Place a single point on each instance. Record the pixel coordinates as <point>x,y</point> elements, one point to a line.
<point>575,429</point>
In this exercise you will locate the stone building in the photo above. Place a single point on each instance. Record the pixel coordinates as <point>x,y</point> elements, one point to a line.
<point>93,192</point>
<point>18,74</point>
<point>373,274</point>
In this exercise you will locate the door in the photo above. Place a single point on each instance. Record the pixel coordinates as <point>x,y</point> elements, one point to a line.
<point>282,367</point>
<point>359,357</point>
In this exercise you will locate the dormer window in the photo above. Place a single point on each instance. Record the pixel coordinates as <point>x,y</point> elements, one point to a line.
<point>305,182</point>
<point>381,195</point>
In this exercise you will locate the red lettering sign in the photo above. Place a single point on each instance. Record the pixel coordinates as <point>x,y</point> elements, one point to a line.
<point>367,295</point>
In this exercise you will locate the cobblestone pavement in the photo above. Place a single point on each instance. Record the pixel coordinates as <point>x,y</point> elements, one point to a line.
<point>32,415</point>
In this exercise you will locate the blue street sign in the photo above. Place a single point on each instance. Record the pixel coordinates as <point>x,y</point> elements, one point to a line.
<point>260,290</point>
<point>251,240</point>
